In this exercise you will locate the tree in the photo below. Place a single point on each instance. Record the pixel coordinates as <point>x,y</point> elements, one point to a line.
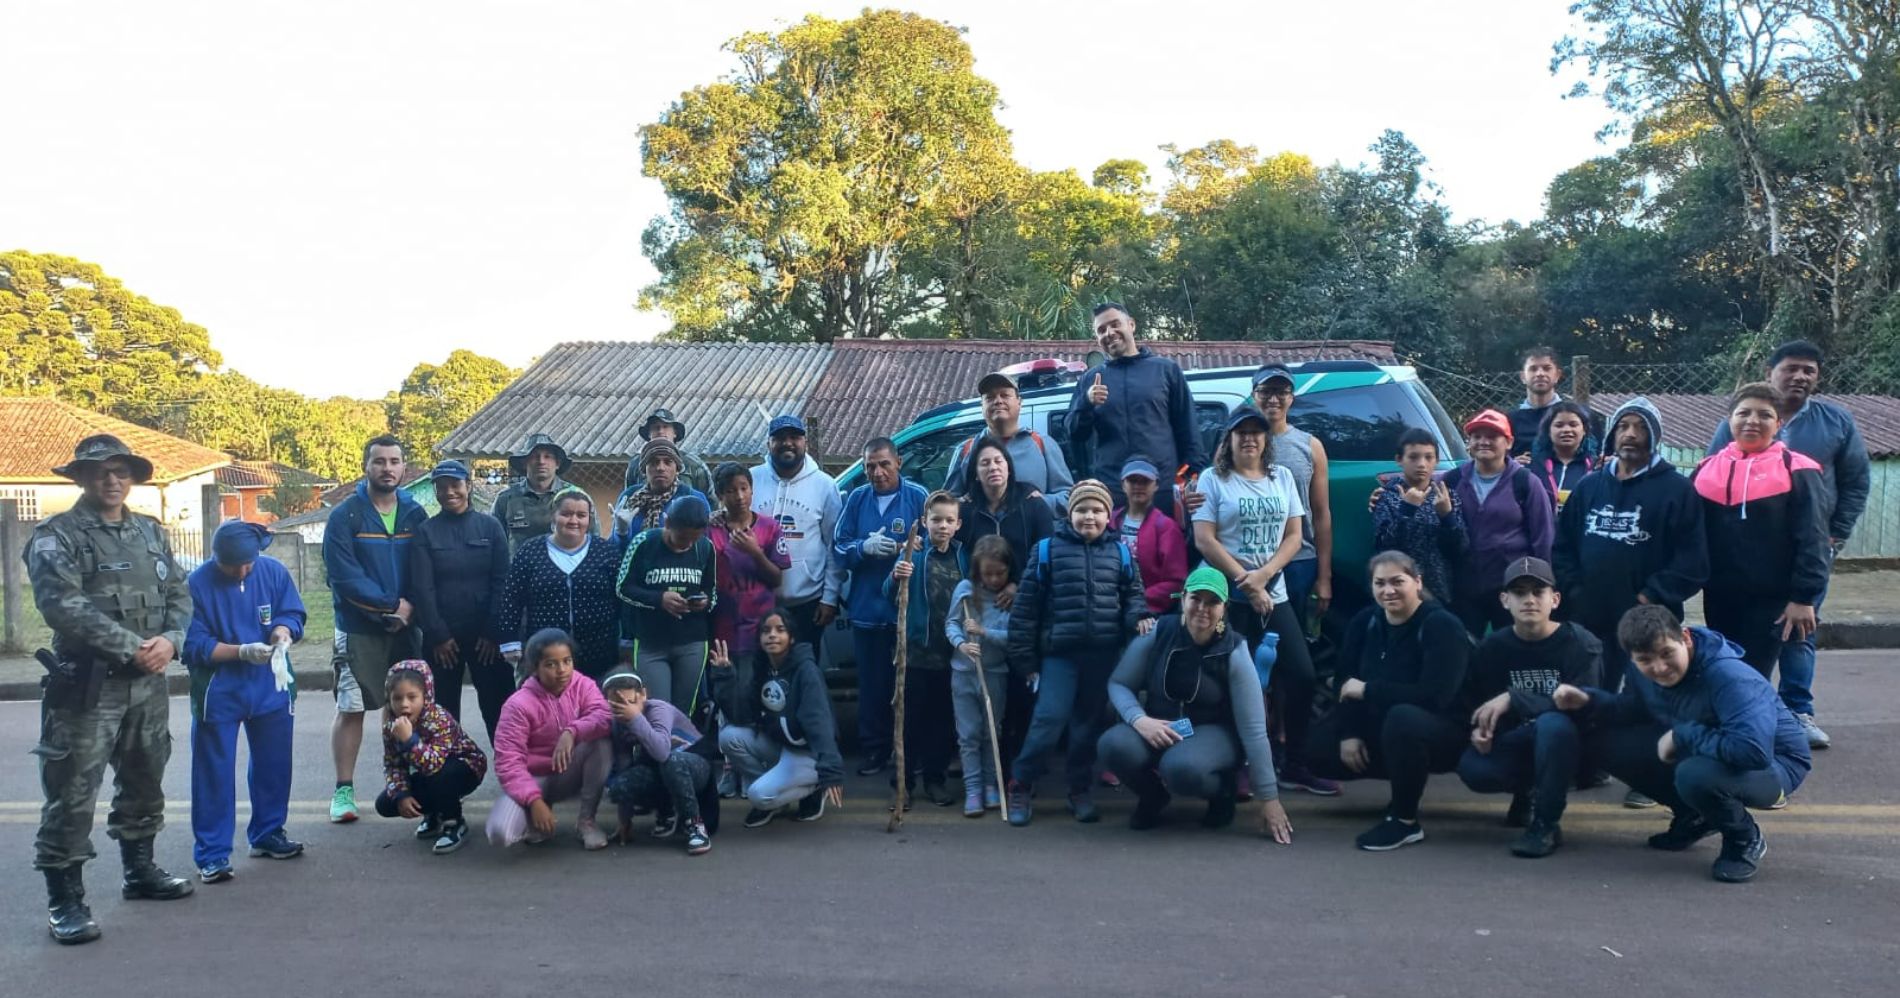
<point>800,183</point>
<point>435,399</point>
<point>69,329</point>
<point>288,499</point>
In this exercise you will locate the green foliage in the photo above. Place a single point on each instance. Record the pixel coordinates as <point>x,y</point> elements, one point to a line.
<point>288,499</point>
<point>435,399</point>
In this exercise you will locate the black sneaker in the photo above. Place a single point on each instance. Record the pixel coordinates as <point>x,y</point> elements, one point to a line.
<point>1390,834</point>
<point>451,839</point>
<point>429,828</point>
<point>874,764</point>
<point>813,806</point>
<point>1519,816</point>
<point>1740,858</point>
<point>665,825</point>
<point>698,843</point>
<point>938,793</point>
<point>1539,840</point>
<point>1082,805</point>
<point>1220,811</point>
<point>759,817</point>
<point>1685,830</point>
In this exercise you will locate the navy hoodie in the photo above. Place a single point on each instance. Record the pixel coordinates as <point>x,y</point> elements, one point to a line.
<point>1642,536</point>
<point>790,704</point>
<point>1722,708</point>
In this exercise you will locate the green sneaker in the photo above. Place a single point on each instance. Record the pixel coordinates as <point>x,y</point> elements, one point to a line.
<point>343,805</point>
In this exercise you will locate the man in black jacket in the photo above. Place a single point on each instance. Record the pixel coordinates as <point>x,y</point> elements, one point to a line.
<point>1134,402</point>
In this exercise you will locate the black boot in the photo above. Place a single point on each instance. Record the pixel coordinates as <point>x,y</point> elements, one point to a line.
<point>144,879</point>
<point>68,920</point>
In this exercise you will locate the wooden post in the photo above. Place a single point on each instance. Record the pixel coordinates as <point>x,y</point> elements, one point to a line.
<point>211,513</point>
<point>14,572</point>
<point>897,698</point>
<point>1580,378</point>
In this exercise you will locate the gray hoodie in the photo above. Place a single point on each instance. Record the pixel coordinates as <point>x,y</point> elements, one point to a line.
<point>806,509</point>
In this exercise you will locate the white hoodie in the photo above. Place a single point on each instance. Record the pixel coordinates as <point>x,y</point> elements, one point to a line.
<point>806,510</point>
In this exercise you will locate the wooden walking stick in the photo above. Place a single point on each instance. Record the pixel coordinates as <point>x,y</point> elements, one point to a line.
<point>897,697</point>
<point>989,718</point>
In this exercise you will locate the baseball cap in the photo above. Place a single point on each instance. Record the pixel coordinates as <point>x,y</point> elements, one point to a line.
<point>1245,413</point>
<point>1529,568</point>
<point>789,421</point>
<point>450,469</point>
<point>1490,419</point>
<point>1140,468</point>
<point>993,381</point>
<point>1270,372</point>
<point>1207,579</point>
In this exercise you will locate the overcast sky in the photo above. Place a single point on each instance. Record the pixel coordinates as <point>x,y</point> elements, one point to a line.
<point>343,190</point>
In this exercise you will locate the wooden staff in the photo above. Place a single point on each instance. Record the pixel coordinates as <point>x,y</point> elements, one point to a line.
<point>989,718</point>
<point>897,698</point>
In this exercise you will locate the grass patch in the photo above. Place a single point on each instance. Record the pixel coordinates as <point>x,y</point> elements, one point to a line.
<point>319,625</point>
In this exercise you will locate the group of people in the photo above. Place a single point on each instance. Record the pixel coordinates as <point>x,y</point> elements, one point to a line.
<point>1524,628</point>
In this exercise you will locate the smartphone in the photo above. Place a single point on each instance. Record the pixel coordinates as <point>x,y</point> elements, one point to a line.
<point>1182,726</point>
<point>698,601</point>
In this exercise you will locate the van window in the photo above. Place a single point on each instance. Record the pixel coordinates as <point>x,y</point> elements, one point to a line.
<point>927,458</point>
<point>1359,424</point>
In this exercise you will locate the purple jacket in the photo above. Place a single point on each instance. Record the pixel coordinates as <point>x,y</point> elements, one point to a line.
<point>655,732</point>
<point>1501,529</point>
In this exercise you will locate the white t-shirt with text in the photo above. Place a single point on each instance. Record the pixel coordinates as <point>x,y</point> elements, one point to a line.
<point>1250,516</point>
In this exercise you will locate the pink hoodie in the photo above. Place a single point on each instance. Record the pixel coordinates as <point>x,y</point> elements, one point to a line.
<point>532,722</point>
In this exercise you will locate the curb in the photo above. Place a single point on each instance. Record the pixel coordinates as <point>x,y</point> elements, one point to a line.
<point>177,684</point>
<point>1858,635</point>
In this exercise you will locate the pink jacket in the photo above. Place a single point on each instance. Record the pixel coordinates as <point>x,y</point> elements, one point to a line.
<point>1161,554</point>
<point>532,722</point>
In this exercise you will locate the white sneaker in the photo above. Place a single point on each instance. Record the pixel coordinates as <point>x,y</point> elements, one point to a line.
<point>1817,739</point>
<point>591,836</point>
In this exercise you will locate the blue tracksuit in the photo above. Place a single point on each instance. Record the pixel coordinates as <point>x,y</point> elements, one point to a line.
<point>873,615</point>
<point>227,694</point>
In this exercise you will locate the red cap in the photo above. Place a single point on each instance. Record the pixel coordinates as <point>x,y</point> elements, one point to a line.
<point>1490,419</point>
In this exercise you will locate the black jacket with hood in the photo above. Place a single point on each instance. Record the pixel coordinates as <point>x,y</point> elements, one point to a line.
<point>790,703</point>
<point>1149,411</point>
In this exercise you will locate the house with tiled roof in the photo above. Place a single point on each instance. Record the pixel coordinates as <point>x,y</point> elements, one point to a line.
<point>244,485</point>
<point>40,434</point>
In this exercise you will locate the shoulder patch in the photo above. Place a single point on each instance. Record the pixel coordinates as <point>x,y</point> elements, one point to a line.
<point>46,545</point>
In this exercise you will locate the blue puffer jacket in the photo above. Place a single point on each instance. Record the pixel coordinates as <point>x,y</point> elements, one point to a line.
<point>1075,596</point>
<point>864,600</point>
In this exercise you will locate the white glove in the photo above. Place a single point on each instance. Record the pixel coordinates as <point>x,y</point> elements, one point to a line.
<point>280,667</point>
<point>512,655</point>
<point>879,545</point>
<point>254,652</point>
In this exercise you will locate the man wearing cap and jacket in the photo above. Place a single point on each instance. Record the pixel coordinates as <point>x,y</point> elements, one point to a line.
<point>1039,461</point>
<point>796,494</point>
<point>105,580</point>
<point>526,508</point>
<point>1508,515</point>
<point>245,612</point>
<point>663,425</point>
<point>1134,402</point>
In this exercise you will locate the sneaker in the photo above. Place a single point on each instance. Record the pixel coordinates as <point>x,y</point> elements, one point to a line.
<point>813,806</point>
<point>698,842</point>
<point>1637,800</point>
<point>429,827</point>
<point>665,825</point>
<point>216,872</point>
<point>728,784</point>
<point>1020,811</point>
<point>759,817</point>
<point>453,834</point>
<point>1082,805</point>
<point>938,793</point>
<point>1592,780</point>
<point>1740,858</point>
<point>1220,811</point>
<point>1296,776</point>
<point>992,797</point>
<point>277,845</point>
<point>1390,834</point>
<point>591,836</point>
<point>1110,780</point>
<point>1817,739</point>
<point>1539,840</point>
<point>1147,813</point>
<point>1519,816</point>
<point>1684,831</point>
<point>973,804</point>
<point>1780,804</point>
<point>874,764</point>
<point>343,805</point>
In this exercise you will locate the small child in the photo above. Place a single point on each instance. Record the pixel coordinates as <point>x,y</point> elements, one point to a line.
<point>550,744</point>
<point>1079,603</point>
<point>429,762</point>
<point>655,766</point>
<point>1421,517</point>
<point>929,718</point>
<point>978,630</point>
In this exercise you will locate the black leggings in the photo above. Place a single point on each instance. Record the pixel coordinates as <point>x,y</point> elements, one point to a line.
<point>680,784</point>
<point>1410,743</point>
<point>439,795</point>
<point>1293,682</point>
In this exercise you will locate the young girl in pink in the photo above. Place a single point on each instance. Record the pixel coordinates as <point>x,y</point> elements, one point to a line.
<point>551,744</point>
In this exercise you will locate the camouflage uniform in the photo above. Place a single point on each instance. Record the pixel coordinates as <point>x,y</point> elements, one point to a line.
<point>104,588</point>
<point>523,512</point>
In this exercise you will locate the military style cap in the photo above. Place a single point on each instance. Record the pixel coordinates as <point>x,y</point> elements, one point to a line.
<point>99,448</point>
<point>518,461</point>
<point>664,416</point>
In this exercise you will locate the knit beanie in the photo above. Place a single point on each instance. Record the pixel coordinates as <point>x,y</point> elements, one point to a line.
<point>659,448</point>
<point>1089,488</point>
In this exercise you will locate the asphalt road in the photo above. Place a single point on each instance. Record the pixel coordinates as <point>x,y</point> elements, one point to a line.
<point>950,906</point>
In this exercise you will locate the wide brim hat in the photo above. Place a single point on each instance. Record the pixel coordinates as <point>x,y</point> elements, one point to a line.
<point>518,461</point>
<point>665,416</point>
<point>98,449</point>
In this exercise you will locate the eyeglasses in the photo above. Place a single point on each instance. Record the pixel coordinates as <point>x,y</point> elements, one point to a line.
<point>118,471</point>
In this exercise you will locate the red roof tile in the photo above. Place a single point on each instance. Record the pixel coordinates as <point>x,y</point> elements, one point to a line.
<point>40,434</point>
<point>268,475</point>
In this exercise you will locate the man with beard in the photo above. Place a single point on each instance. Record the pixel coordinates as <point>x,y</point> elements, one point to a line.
<point>791,489</point>
<point>663,425</point>
<point>1134,402</point>
<point>526,508</point>
<point>366,557</point>
<point>1541,374</point>
<point>1825,432</point>
<point>1631,534</point>
<point>1040,463</point>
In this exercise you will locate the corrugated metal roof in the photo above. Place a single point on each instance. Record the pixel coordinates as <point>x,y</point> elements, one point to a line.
<point>1690,420</point>
<point>41,432</point>
<point>591,397</point>
<point>875,387</point>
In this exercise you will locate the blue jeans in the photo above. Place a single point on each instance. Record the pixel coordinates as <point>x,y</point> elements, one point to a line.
<point>1700,784</point>
<point>876,652</point>
<point>1541,757</point>
<point>1797,665</point>
<point>1300,578</point>
<point>1072,696</point>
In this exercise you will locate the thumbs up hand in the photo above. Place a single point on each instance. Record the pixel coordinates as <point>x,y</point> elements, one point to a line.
<point>1098,392</point>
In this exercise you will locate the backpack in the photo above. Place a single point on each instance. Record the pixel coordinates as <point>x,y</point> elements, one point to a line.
<point>1520,484</point>
<point>1041,567</point>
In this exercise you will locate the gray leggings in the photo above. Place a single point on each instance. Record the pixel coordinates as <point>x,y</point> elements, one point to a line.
<point>672,672</point>
<point>1201,765</point>
<point>773,773</point>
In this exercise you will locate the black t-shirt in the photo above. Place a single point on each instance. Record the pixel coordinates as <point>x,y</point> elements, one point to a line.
<point>1531,670</point>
